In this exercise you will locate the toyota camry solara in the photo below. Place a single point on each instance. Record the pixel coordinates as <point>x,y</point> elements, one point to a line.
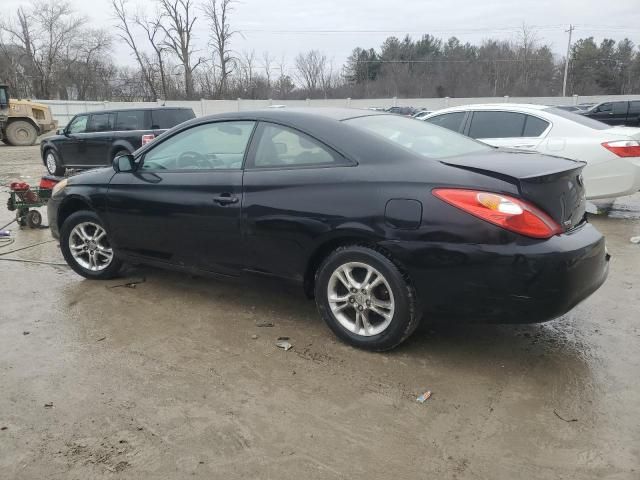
<point>384,220</point>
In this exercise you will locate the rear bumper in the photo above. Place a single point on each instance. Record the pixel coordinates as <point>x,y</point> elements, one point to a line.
<point>522,282</point>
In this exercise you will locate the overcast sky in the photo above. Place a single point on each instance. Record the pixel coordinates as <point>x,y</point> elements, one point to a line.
<point>285,27</point>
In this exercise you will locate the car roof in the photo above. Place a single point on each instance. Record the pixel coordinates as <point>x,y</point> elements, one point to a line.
<point>322,123</point>
<point>495,106</point>
<point>298,114</point>
<point>114,110</point>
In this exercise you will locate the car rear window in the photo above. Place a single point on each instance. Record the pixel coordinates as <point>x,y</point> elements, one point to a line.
<point>534,126</point>
<point>419,137</point>
<point>131,120</point>
<point>169,118</point>
<point>576,117</point>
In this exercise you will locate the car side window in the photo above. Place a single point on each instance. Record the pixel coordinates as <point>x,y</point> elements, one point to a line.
<point>534,126</point>
<point>212,146</point>
<point>452,121</point>
<point>3,96</point>
<point>605,107</point>
<point>284,147</point>
<point>78,124</point>
<point>128,120</point>
<point>634,107</point>
<point>497,125</point>
<point>101,122</point>
<point>169,118</point>
<point>620,108</point>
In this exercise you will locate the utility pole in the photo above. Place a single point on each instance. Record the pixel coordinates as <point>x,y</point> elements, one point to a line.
<point>566,61</point>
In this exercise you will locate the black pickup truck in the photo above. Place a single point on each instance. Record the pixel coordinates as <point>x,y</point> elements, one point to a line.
<point>94,139</point>
<point>620,112</point>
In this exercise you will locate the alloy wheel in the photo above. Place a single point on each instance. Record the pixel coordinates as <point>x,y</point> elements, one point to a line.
<point>361,299</point>
<point>90,247</point>
<point>51,163</point>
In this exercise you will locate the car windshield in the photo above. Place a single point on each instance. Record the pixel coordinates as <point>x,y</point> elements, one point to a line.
<point>576,117</point>
<point>418,136</point>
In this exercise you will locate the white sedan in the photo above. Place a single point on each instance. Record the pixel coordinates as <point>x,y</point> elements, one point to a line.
<point>612,153</point>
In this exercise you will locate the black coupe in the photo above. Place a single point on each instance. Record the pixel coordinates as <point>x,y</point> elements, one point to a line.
<point>384,220</point>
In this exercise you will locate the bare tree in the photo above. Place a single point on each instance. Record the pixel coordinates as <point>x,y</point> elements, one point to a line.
<point>218,11</point>
<point>267,65</point>
<point>153,29</point>
<point>83,62</point>
<point>179,36</point>
<point>43,32</point>
<point>247,64</point>
<point>310,68</point>
<point>526,46</point>
<point>126,34</point>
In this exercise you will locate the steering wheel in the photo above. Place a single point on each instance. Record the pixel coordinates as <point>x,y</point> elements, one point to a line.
<point>193,159</point>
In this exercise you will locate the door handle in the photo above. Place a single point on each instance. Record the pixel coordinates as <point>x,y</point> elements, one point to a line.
<point>225,199</point>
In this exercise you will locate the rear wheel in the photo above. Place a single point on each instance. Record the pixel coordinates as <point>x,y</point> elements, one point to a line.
<point>53,163</point>
<point>365,299</point>
<point>85,245</point>
<point>21,133</point>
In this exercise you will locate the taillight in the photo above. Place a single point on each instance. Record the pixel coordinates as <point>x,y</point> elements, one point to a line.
<point>147,138</point>
<point>624,148</point>
<point>504,211</point>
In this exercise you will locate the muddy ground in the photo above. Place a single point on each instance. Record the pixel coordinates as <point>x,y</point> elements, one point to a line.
<point>174,379</point>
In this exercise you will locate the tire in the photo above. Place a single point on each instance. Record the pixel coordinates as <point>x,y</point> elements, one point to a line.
<point>34,219</point>
<point>53,164</point>
<point>21,133</point>
<point>395,291</point>
<point>82,261</point>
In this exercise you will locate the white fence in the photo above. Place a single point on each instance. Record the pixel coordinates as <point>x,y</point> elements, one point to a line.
<point>64,110</point>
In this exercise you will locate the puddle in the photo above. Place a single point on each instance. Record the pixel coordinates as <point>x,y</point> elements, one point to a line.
<point>625,207</point>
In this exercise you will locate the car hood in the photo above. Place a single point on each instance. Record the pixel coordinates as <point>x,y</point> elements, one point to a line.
<point>52,138</point>
<point>97,176</point>
<point>632,132</point>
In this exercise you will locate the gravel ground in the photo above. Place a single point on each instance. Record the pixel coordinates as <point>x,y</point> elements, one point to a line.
<point>174,378</point>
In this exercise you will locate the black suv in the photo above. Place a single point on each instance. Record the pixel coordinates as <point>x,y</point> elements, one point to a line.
<point>616,113</point>
<point>94,139</point>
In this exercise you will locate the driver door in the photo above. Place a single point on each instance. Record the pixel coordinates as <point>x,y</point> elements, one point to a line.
<point>182,205</point>
<point>73,147</point>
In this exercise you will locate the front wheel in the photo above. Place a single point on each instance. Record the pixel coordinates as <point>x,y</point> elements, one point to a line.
<point>365,299</point>
<point>53,163</point>
<point>85,245</point>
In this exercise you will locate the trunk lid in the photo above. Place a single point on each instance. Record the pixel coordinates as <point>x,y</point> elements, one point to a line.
<point>629,132</point>
<point>553,184</point>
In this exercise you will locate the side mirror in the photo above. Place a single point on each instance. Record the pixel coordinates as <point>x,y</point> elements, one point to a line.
<point>124,163</point>
<point>61,131</point>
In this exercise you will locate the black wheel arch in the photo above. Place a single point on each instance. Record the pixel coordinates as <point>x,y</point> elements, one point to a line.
<point>71,205</point>
<point>118,146</point>
<point>325,247</point>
